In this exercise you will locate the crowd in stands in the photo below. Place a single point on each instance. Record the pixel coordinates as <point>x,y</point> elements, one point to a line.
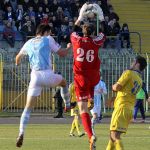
<point>21,17</point>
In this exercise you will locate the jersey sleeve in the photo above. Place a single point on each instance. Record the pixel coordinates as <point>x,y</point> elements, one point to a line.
<point>53,44</point>
<point>99,40</point>
<point>124,77</point>
<point>25,48</point>
<point>74,37</point>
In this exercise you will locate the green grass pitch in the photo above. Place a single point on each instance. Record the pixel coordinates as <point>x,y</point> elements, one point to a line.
<point>56,137</point>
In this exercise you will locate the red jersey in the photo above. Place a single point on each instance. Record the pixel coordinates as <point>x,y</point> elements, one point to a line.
<point>85,52</point>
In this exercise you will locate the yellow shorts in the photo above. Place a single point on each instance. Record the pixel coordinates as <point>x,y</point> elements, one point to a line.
<point>75,111</point>
<point>121,118</point>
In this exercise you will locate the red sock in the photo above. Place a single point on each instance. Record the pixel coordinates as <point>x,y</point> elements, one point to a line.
<point>86,121</point>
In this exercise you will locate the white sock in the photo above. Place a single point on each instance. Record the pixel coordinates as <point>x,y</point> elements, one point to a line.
<point>93,121</point>
<point>24,120</point>
<point>65,95</point>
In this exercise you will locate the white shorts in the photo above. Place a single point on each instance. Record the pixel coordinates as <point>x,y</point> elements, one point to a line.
<point>96,110</point>
<point>42,78</point>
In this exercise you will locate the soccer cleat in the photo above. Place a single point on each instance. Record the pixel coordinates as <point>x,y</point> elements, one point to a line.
<point>93,143</point>
<point>71,135</point>
<point>90,104</point>
<point>19,141</point>
<point>81,134</point>
<point>69,107</point>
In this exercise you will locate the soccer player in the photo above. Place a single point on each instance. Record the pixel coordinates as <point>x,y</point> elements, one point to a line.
<point>126,87</point>
<point>75,113</point>
<point>86,68</point>
<point>99,90</point>
<point>39,50</point>
<point>140,97</point>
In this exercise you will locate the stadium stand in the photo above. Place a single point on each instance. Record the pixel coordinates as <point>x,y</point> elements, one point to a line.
<point>137,14</point>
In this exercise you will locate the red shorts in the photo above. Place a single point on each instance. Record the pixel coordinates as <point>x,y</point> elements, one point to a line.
<point>84,85</point>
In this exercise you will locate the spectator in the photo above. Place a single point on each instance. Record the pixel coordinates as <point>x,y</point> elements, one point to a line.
<point>26,4</point>
<point>59,101</point>
<point>45,4</point>
<point>64,34</point>
<point>33,20</point>
<point>56,22</point>
<point>19,14</point>
<point>35,5</point>
<point>67,13</point>
<point>31,12</point>
<point>9,14</point>
<point>39,15</point>
<point>45,19</point>
<point>9,34</point>
<point>140,97</point>
<point>54,6</point>
<point>125,36</point>
<point>53,29</point>
<point>13,4</point>
<point>103,4</point>
<point>105,24</point>
<point>113,31</point>
<point>5,4</point>
<point>28,29</point>
<point>112,14</point>
<point>60,14</point>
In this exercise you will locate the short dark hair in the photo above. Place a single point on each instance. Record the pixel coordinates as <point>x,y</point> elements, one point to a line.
<point>142,61</point>
<point>88,29</point>
<point>42,28</point>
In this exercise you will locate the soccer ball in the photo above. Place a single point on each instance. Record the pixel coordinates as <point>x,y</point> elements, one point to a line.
<point>90,14</point>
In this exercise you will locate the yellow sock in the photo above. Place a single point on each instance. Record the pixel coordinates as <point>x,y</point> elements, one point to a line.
<point>119,145</point>
<point>72,126</point>
<point>110,145</point>
<point>77,125</point>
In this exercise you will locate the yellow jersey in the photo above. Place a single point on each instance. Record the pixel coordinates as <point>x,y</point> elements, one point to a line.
<point>131,83</point>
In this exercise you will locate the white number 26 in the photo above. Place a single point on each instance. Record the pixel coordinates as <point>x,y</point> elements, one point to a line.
<point>89,55</point>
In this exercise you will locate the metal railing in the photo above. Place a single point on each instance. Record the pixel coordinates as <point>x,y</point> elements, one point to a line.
<point>14,80</point>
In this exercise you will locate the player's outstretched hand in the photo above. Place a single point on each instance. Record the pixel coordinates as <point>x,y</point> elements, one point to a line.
<point>83,12</point>
<point>97,9</point>
<point>69,46</point>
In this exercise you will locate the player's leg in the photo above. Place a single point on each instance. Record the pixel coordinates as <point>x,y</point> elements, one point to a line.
<point>77,125</point>
<point>52,80</point>
<point>115,136</point>
<point>85,117</point>
<point>142,110</point>
<point>25,119</point>
<point>94,116</point>
<point>72,127</point>
<point>34,90</point>
<point>65,95</point>
<point>86,121</point>
<point>136,107</point>
<point>94,121</point>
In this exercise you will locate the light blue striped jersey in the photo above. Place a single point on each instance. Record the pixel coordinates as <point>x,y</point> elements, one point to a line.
<point>39,50</point>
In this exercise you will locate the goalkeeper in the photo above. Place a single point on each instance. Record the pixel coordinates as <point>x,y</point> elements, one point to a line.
<point>86,64</point>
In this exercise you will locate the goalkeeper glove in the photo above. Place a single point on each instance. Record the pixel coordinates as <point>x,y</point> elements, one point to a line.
<point>97,9</point>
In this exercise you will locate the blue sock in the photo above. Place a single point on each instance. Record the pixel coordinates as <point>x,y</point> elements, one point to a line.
<point>65,95</point>
<point>24,120</point>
